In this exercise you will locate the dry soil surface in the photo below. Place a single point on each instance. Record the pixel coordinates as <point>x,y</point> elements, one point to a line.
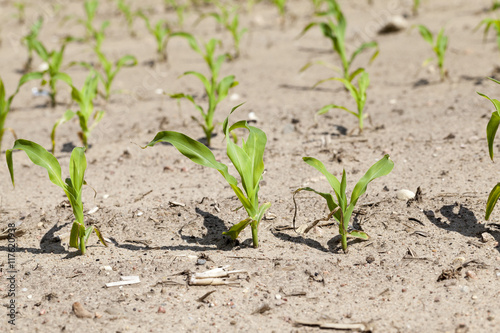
<point>430,266</point>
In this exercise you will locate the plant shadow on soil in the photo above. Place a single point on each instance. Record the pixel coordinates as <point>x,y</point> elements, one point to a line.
<point>48,244</point>
<point>461,220</point>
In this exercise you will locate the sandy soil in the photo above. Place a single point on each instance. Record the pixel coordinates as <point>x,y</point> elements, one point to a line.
<point>433,130</point>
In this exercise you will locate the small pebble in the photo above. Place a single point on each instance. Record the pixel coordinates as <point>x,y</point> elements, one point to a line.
<point>471,275</point>
<point>234,97</point>
<point>80,311</point>
<point>278,296</point>
<point>370,259</point>
<point>405,195</point>
<point>201,262</point>
<point>161,309</point>
<point>93,210</point>
<point>487,237</point>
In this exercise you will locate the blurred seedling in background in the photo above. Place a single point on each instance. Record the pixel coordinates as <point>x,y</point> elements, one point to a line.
<point>162,34</point>
<point>5,103</point>
<point>109,70</point>
<point>85,100</point>
<point>281,6</point>
<point>491,131</point>
<point>90,7</point>
<point>21,11</point>
<point>129,15</point>
<point>72,186</point>
<point>416,6</point>
<point>334,29</point>
<point>358,93</point>
<point>342,209</point>
<point>51,67</point>
<point>488,23</point>
<point>247,160</point>
<point>215,90</point>
<point>179,8</point>
<point>439,46</point>
<point>30,40</point>
<point>229,19</point>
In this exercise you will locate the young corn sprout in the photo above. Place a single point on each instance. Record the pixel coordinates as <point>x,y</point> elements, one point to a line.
<point>162,33</point>
<point>53,61</point>
<point>342,209</point>
<point>281,6</point>
<point>29,41</point>
<point>334,29</point>
<point>488,23</point>
<point>416,6</point>
<point>179,9</point>
<point>72,186</point>
<point>491,131</point>
<point>109,70</point>
<point>90,7</point>
<point>216,90</point>
<point>359,95</point>
<point>439,46</point>
<point>229,19</point>
<point>5,103</point>
<point>85,99</point>
<point>247,160</point>
<point>129,16</point>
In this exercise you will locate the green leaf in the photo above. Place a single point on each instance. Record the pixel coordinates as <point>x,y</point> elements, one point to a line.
<point>358,234</point>
<point>66,117</point>
<point>318,165</point>
<point>426,34</point>
<point>491,131</point>
<point>77,167</point>
<point>235,230</point>
<point>492,200</point>
<point>379,169</point>
<point>202,78</point>
<point>99,235</point>
<point>74,236</point>
<point>328,107</point>
<point>39,156</point>
<point>330,201</point>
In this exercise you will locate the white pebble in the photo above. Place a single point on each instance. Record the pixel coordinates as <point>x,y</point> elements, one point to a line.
<point>278,296</point>
<point>93,210</point>
<point>252,116</point>
<point>159,91</point>
<point>234,97</point>
<point>43,67</point>
<point>405,195</point>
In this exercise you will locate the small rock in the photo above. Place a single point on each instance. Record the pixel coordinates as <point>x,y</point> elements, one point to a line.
<point>473,139</point>
<point>464,289</point>
<point>487,237</point>
<point>42,312</point>
<point>106,268</point>
<point>201,262</point>
<point>370,259</point>
<point>80,311</point>
<point>253,117</point>
<point>278,296</point>
<point>395,24</point>
<point>234,97</point>
<point>405,195</point>
<point>93,210</point>
<point>471,275</point>
<point>43,67</point>
<point>161,309</point>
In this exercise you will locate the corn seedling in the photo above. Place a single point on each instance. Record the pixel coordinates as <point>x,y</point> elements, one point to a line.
<point>439,46</point>
<point>342,209</point>
<point>491,131</point>
<point>229,19</point>
<point>21,13</point>
<point>85,100</point>
<point>99,35</point>
<point>5,102</point>
<point>162,33</point>
<point>488,23</point>
<point>216,90</point>
<point>109,70</point>
<point>247,160</point>
<point>179,9</point>
<point>129,16</point>
<point>72,186</point>
<point>53,60</point>
<point>416,6</point>
<point>30,40</point>
<point>359,95</point>
<point>90,7</point>
<point>334,29</point>
<point>281,6</point>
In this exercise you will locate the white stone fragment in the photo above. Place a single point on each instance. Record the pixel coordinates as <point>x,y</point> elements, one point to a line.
<point>405,195</point>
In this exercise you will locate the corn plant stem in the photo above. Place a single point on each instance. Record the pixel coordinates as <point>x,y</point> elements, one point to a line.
<point>255,228</point>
